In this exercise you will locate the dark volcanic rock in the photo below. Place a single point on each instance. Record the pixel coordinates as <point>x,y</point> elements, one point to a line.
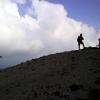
<point>61,76</point>
<point>97,81</point>
<point>94,94</point>
<point>75,87</point>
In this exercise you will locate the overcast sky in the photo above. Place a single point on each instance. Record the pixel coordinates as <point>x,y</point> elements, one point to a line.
<point>33,28</point>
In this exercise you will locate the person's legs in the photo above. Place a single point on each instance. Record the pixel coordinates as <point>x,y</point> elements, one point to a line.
<point>78,45</point>
<point>83,45</point>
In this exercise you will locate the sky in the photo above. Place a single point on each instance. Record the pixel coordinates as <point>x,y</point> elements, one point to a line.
<point>33,28</point>
<point>86,11</point>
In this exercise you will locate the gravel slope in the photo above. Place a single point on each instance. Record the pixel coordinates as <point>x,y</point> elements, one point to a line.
<point>71,75</point>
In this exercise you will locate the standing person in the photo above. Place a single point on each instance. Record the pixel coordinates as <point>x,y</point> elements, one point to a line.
<point>80,41</point>
<point>99,43</point>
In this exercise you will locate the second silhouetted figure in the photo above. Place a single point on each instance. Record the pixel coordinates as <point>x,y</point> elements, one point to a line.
<point>80,41</point>
<point>99,43</point>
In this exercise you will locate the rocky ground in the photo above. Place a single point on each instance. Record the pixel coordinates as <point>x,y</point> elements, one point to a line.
<point>71,75</point>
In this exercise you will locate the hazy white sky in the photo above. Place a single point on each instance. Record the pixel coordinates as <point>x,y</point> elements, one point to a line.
<point>45,28</point>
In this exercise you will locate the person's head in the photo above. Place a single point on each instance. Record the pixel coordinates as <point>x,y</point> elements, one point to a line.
<point>81,34</point>
<point>99,39</point>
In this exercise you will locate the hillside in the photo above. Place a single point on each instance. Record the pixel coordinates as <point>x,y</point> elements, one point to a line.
<point>71,75</point>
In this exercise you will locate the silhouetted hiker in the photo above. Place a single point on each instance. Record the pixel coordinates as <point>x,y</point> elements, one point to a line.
<point>80,41</point>
<point>99,43</point>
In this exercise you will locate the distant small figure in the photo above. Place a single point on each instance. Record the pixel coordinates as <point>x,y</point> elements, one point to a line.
<point>80,41</point>
<point>99,43</point>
